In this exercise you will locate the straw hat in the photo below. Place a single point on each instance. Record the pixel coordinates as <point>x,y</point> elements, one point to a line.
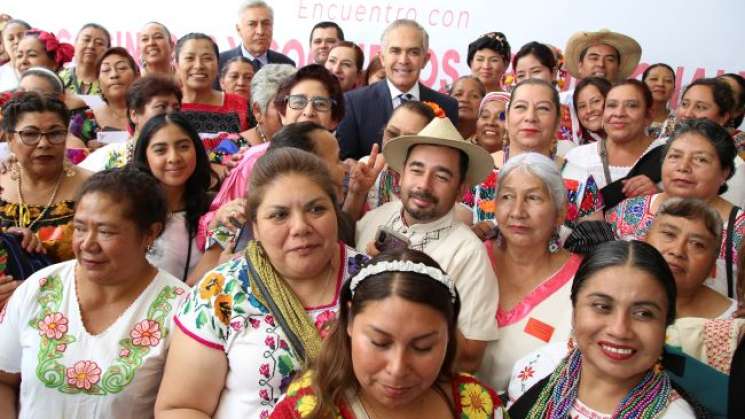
<point>440,132</point>
<point>629,50</point>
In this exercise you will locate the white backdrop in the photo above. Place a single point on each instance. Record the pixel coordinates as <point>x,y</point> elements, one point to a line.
<point>698,38</point>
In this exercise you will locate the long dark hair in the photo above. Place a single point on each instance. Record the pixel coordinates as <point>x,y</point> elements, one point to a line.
<point>333,371</point>
<point>196,198</point>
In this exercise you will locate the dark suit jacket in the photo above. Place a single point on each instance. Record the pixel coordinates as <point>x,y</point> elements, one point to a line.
<point>368,109</point>
<point>273,57</point>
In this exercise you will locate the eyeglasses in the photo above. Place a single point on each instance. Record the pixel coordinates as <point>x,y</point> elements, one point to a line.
<point>320,103</point>
<point>32,137</point>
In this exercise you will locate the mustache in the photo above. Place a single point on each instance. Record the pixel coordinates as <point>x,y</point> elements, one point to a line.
<point>424,195</point>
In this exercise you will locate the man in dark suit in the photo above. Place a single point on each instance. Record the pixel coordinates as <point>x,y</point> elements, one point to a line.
<point>404,53</point>
<point>255,27</point>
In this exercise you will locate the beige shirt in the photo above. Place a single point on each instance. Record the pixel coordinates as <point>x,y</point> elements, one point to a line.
<point>458,251</point>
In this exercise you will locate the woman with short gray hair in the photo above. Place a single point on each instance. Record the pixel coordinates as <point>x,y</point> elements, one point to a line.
<point>264,86</point>
<point>533,271</point>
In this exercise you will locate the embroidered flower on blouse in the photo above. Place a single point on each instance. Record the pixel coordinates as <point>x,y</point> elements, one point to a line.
<point>526,374</point>
<point>264,370</point>
<point>54,326</point>
<point>61,347</point>
<point>211,285</point>
<point>269,341</point>
<point>476,401</point>
<point>306,404</point>
<point>223,308</point>
<point>84,374</point>
<point>146,333</point>
<point>323,323</point>
<point>302,382</point>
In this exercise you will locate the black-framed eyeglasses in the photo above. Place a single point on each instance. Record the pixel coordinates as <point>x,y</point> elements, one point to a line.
<point>320,103</point>
<point>32,137</point>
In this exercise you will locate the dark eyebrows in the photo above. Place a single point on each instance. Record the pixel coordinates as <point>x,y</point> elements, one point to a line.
<point>386,334</point>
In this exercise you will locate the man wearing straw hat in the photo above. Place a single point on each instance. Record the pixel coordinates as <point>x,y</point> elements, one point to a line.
<point>606,54</point>
<point>436,166</point>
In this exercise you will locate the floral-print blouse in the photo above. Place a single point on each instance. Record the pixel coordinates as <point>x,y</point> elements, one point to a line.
<point>54,227</point>
<point>583,197</point>
<point>68,373</point>
<point>222,313</point>
<point>472,400</point>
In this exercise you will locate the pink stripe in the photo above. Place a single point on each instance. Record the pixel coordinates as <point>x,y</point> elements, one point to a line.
<point>541,293</point>
<point>197,338</point>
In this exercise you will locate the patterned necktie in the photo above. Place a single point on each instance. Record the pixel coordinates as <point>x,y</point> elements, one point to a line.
<point>405,97</point>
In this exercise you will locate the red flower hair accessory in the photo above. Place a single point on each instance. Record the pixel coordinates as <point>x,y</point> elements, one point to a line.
<point>62,52</point>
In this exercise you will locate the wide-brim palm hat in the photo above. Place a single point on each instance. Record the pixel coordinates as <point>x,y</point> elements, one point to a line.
<point>440,132</point>
<point>629,50</point>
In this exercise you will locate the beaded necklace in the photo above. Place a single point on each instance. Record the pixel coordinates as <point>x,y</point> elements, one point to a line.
<point>647,400</point>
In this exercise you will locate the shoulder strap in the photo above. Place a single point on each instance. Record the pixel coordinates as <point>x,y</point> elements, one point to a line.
<point>728,251</point>
<point>295,342</point>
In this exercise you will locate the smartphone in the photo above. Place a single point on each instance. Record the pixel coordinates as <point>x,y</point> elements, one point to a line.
<point>387,239</point>
<point>245,234</point>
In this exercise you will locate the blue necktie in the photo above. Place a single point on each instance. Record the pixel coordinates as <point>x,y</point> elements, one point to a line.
<point>257,64</point>
<point>405,97</point>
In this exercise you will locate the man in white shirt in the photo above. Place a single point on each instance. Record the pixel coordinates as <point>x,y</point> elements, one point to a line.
<point>436,166</point>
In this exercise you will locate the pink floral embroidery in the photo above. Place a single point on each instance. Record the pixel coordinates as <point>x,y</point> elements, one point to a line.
<point>264,394</point>
<point>264,415</point>
<point>270,320</point>
<point>323,323</point>
<point>54,326</point>
<point>42,282</point>
<point>283,345</point>
<point>84,374</point>
<point>179,291</point>
<point>146,333</point>
<point>237,325</point>
<point>264,370</point>
<point>269,341</point>
<point>254,323</point>
<point>124,353</point>
<point>527,373</point>
<point>61,347</point>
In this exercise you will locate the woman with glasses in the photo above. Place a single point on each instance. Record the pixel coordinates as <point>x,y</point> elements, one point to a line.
<point>312,94</point>
<point>38,191</point>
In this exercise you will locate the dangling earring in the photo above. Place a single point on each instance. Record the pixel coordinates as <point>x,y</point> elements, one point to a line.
<point>658,366</point>
<point>553,243</point>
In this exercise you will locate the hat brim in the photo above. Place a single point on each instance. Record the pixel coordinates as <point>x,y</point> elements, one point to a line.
<point>629,50</point>
<point>480,163</point>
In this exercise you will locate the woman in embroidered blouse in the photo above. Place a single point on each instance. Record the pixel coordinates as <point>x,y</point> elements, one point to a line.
<point>209,110</point>
<point>170,149</point>
<point>533,271</point>
<point>623,298</point>
<point>147,97</point>
<point>589,104</point>
<point>391,353</point>
<point>660,78</point>
<point>88,337</point>
<point>38,192</point>
<point>254,321</point>
<point>697,162</point>
<point>532,117</point>
<point>627,113</point>
<point>156,46</point>
<point>90,44</point>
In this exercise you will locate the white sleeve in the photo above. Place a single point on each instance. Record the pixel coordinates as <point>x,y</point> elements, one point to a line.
<point>13,319</point>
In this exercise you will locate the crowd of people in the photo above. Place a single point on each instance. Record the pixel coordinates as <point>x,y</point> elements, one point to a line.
<point>194,233</point>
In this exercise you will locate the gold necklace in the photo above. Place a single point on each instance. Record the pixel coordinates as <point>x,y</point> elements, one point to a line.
<point>24,213</point>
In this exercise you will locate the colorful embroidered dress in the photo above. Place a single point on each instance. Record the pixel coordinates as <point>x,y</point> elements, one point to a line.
<point>72,84</point>
<point>54,228</point>
<point>583,197</point>
<point>109,156</point>
<point>222,313</point>
<point>633,217</point>
<point>68,373</point>
<point>472,400</point>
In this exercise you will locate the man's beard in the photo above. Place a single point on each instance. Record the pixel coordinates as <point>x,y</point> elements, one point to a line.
<point>421,214</point>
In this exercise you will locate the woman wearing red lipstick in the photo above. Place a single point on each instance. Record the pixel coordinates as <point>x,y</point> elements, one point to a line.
<point>392,351</point>
<point>534,273</point>
<point>170,149</point>
<point>623,298</point>
<point>253,322</point>
<point>697,162</point>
